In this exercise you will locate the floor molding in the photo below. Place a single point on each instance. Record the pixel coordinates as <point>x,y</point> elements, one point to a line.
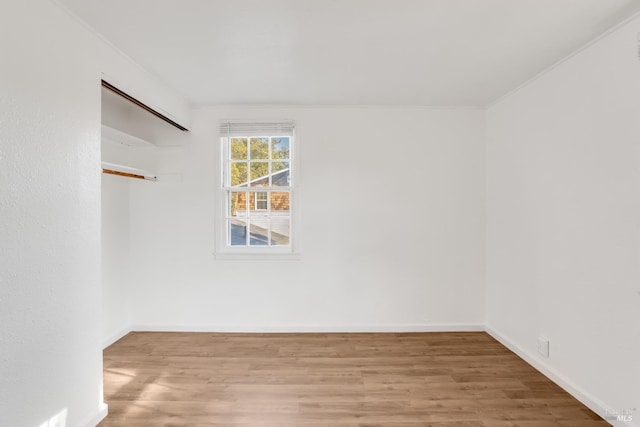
<point>115,337</point>
<point>98,417</point>
<point>409,327</point>
<point>586,398</point>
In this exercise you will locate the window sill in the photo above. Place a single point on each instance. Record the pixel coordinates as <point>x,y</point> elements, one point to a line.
<point>225,256</point>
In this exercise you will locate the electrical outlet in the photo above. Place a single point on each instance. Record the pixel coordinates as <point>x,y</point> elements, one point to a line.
<point>543,346</point>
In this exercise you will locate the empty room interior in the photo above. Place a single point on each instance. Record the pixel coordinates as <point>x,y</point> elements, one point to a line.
<point>320,213</point>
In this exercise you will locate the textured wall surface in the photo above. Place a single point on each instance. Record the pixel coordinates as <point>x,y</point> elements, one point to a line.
<point>50,346</point>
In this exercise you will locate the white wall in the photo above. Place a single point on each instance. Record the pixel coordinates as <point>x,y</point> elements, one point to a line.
<point>116,310</point>
<point>51,330</point>
<point>50,344</point>
<point>392,229</point>
<point>563,210</point>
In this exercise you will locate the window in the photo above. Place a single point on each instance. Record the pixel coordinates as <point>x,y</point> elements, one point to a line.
<point>257,188</point>
<point>261,201</point>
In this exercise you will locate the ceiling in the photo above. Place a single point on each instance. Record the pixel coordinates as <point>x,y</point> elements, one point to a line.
<point>349,52</point>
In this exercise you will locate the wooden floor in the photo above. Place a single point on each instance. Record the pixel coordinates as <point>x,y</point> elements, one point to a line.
<point>417,379</point>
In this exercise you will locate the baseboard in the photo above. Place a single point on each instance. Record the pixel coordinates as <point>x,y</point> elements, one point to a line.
<point>438,327</point>
<point>586,398</point>
<point>115,337</point>
<point>99,416</point>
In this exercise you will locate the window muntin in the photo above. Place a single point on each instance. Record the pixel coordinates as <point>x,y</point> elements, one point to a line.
<point>257,218</point>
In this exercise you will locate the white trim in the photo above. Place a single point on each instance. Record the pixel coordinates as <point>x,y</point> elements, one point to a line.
<point>256,256</point>
<point>260,178</point>
<point>221,250</point>
<point>115,337</point>
<point>593,403</point>
<point>102,413</point>
<point>207,106</point>
<point>315,328</point>
<point>555,65</point>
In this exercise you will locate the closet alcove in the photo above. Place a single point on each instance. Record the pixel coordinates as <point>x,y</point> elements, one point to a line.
<point>141,161</point>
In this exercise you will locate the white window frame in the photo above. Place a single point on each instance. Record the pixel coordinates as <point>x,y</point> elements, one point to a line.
<point>265,201</point>
<point>223,250</point>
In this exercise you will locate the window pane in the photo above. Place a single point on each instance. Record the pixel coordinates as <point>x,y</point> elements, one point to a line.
<point>259,148</point>
<point>238,173</point>
<point>280,203</point>
<point>261,201</point>
<point>237,204</point>
<point>258,203</point>
<point>280,230</point>
<point>259,174</point>
<point>238,148</point>
<point>280,174</point>
<point>237,232</point>
<point>259,234</point>
<point>256,215</point>
<point>280,147</point>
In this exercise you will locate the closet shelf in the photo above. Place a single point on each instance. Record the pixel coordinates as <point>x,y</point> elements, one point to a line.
<point>120,137</point>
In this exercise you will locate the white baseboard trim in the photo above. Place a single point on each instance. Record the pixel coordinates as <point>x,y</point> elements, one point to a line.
<point>115,337</point>
<point>439,327</point>
<point>99,416</point>
<point>583,396</point>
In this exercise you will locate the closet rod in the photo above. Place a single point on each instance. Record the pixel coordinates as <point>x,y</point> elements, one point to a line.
<point>142,105</point>
<point>127,175</point>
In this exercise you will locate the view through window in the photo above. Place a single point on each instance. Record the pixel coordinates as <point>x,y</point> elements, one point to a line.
<point>257,185</point>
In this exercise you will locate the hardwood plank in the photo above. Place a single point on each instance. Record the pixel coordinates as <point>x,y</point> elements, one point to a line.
<point>404,379</point>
